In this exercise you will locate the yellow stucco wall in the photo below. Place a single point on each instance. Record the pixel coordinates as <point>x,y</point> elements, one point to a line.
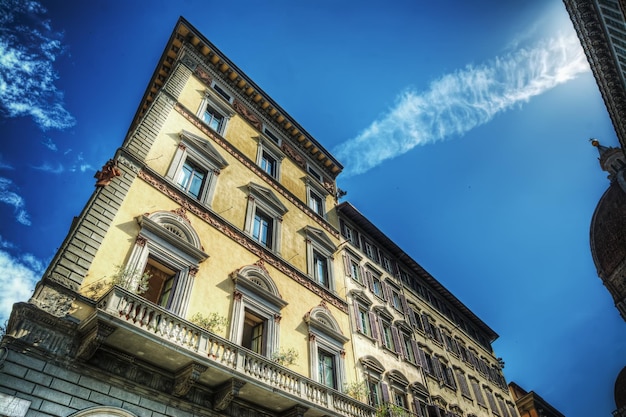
<point>213,287</point>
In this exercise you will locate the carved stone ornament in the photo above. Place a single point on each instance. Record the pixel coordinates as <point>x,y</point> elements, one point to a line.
<point>203,75</point>
<point>226,393</point>
<point>52,301</point>
<point>186,378</point>
<point>108,172</point>
<point>247,114</point>
<point>92,340</point>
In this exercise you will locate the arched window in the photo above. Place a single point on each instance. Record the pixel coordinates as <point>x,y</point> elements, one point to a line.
<point>326,351</point>
<point>103,412</point>
<point>167,251</point>
<point>255,322</point>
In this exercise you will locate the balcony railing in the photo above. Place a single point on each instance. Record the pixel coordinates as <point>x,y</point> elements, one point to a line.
<point>140,313</point>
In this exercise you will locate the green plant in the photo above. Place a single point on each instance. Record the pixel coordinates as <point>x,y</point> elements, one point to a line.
<point>285,357</point>
<point>214,322</point>
<point>357,390</point>
<point>125,278</point>
<point>391,410</point>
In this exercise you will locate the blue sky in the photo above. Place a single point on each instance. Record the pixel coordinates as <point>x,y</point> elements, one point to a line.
<point>463,129</point>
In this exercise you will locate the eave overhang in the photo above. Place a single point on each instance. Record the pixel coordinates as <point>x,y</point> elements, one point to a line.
<point>185,33</point>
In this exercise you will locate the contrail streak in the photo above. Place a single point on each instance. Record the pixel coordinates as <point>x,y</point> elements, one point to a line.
<point>463,100</point>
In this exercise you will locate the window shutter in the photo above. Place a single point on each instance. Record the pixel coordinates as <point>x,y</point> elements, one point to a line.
<point>433,411</point>
<point>369,281</point>
<point>417,408</point>
<point>385,391</point>
<point>396,341</point>
<point>437,333</point>
<point>373,325</point>
<point>437,369</point>
<point>426,324</point>
<point>357,316</point>
<point>405,305</point>
<point>412,318</point>
<point>423,361</point>
<point>451,377</point>
<point>416,353</point>
<point>346,265</point>
<point>383,285</point>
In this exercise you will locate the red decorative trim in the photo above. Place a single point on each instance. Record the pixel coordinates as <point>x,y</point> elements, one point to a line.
<point>255,168</point>
<point>247,114</point>
<point>242,239</point>
<point>203,75</point>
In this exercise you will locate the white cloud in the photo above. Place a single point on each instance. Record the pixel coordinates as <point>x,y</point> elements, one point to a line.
<point>18,277</point>
<point>463,100</point>
<point>7,196</point>
<point>47,167</point>
<point>50,145</point>
<point>28,49</point>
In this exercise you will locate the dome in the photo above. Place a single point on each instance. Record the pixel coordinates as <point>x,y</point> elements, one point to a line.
<point>620,389</point>
<point>608,231</point>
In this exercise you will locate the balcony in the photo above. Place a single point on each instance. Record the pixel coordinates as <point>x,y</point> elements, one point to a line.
<point>193,357</point>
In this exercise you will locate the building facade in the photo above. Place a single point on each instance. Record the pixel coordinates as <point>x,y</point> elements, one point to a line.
<point>417,348</point>
<point>206,273</point>
<point>530,404</point>
<point>601,28</point>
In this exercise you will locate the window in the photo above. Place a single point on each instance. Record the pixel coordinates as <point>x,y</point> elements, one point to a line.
<point>268,163</point>
<point>377,287</point>
<point>395,300</point>
<point>264,217</point>
<point>160,284</point>
<point>491,401</point>
<point>195,167</point>
<point>254,336</point>
<point>213,113</point>
<point>326,347</point>
<point>447,375</point>
<point>460,377</point>
<point>262,229</point>
<point>364,319</point>
<point>269,157</point>
<point>169,250</point>
<point>271,135</point>
<point>256,316</point>
<point>313,172</point>
<point>316,203</point>
<point>398,385</point>
<point>213,118</point>
<point>387,336</point>
<point>352,267</point>
<point>478,394</point>
<point>320,251</point>
<point>316,197</point>
<point>191,178</point>
<point>349,233</point>
<point>408,347</point>
<point>222,92</point>
<point>373,371</point>
<point>387,265</point>
<point>327,369</point>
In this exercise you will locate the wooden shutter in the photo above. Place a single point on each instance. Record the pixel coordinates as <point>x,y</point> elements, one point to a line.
<point>405,305</point>
<point>417,408</point>
<point>357,316</point>
<point>385,391</point>
<point>373,324</point>
<point>396,341</point>
<point>416,353</point>
<point>369,281</point>
<point>346,265</point>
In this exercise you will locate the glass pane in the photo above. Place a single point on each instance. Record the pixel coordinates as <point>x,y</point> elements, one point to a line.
<point>196,183</point>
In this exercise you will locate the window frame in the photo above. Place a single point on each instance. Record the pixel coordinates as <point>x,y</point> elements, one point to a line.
<point>261,199</point>
<point>317,242</point>
<point>316,190</point>
<point>214,99</point>
<point>168,239</point>
<point>256,293</point>
<point>202,154</point>
<point>267,146</point>
<point>325,335</point>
